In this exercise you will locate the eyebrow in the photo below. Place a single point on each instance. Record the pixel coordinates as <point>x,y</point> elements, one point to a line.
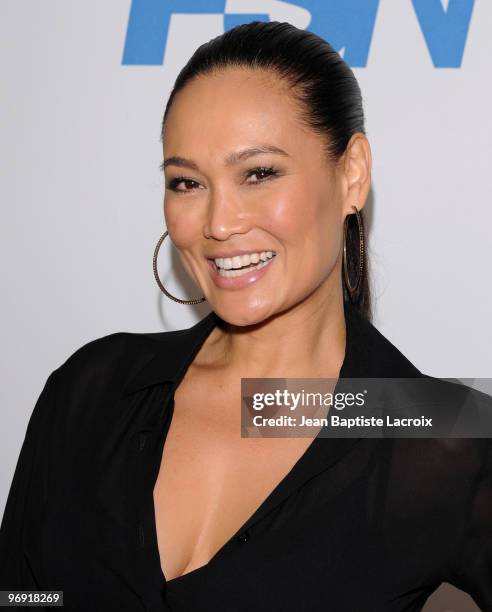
<point>231,159</point>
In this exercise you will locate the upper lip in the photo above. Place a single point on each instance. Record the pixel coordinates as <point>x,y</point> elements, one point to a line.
<point>237,252</point>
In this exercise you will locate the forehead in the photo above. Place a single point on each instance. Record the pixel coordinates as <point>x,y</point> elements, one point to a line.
<point>234,107</point>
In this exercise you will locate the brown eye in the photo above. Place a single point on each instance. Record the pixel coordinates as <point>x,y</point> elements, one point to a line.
<point>263,173</point>
<point>173,184</point>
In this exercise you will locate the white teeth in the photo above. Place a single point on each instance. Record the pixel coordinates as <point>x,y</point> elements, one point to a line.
<point>239,261</point>
<point>230,273</point>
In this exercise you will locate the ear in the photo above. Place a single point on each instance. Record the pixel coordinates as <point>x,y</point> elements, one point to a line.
<point>356,165</point>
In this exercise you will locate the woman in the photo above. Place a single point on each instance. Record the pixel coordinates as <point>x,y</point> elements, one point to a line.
<point>267,168</point>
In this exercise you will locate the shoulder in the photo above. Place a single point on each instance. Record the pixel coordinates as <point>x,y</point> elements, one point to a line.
<point>88,391</point>
<point>99,355</point>
<point>450,464</point>
<point>108,361</point>
<point>370,354</point>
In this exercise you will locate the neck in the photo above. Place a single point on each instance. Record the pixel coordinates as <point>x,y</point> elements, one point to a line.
<point>305,341</point>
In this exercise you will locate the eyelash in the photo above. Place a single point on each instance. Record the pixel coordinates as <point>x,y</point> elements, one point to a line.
<point>270,171</point>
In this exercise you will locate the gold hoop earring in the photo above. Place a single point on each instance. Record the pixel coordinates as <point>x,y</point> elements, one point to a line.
<point>161,286</point>
<point>354,289</point>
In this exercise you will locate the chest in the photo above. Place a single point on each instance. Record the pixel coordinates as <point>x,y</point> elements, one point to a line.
<point>211,480</point>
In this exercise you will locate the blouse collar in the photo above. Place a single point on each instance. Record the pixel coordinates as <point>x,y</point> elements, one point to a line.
<point>368,354</point>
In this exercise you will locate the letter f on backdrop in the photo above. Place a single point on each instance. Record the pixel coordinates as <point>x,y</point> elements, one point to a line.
<point>148,25</point>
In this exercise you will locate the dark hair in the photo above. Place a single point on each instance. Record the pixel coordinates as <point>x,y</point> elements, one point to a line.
<point>323,84</point>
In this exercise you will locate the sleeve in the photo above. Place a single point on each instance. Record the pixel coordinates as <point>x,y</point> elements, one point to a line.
<point>26,494</point>
<point>472,569</point>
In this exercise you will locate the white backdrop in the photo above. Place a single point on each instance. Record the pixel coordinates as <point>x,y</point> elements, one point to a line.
<point>82,194</point>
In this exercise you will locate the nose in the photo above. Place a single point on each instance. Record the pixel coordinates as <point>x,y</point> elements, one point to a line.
<point>226,215</point>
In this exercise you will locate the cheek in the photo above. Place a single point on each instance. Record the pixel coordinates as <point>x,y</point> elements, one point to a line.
<point>309,225</point>
<point>288,215</point>
<point>327,238</point>
<point>309,221</point>
<point>180,224</point>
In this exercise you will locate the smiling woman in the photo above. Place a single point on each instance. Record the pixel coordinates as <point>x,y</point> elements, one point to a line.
<point>244,196</point>
<point>135,490</point>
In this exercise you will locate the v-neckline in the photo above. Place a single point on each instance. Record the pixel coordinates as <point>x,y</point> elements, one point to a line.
<point>321,454</point>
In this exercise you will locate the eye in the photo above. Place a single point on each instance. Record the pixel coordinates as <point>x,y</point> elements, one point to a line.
<point>263,174</point>
<point>173,184</point>
<point>266,172</point>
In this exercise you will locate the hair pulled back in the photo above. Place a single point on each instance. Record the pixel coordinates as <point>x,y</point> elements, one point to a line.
<point>323,84</point>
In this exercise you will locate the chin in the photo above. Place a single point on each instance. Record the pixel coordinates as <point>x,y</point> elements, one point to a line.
<point>243,316</point>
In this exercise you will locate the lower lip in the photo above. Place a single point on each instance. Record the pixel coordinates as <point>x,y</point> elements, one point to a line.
<point>238,282</point>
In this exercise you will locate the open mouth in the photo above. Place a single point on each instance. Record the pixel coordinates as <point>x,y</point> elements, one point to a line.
<point>233,272</point>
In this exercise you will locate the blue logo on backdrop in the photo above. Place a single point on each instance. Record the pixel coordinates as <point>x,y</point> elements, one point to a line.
<point>345,24</point>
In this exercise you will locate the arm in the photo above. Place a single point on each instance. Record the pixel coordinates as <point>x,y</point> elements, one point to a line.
<point>26,497</point>
<point>471,570</point>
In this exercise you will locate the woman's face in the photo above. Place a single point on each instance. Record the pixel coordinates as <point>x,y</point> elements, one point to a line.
<point>222,200</point>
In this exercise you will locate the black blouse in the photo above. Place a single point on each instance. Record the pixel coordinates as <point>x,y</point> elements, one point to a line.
<point>358,524</point>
